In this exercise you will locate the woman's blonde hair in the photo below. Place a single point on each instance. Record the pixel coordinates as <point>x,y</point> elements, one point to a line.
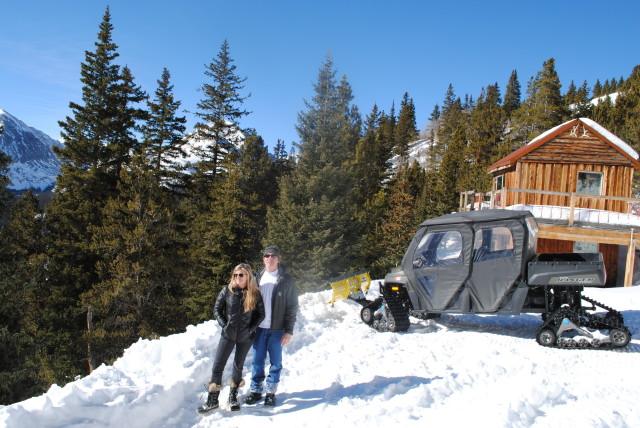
<point>251,292</point>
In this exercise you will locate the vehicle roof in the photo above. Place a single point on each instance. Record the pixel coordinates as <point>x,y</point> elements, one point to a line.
<point>477,217</point>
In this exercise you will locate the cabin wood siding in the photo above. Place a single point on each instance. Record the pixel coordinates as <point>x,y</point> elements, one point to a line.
<point>562,177</point>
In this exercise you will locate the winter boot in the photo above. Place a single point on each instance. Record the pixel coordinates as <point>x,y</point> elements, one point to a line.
<point>234,404</point>
<point>270,400</point>
<point>212,399</point>
<point>253,398</point>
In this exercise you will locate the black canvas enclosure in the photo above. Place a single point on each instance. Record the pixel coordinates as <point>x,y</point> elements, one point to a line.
<point>467,262</point>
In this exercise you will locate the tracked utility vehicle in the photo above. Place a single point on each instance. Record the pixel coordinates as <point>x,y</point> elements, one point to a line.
<point>485,262</point>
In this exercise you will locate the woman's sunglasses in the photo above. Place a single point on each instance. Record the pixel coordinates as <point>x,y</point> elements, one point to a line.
<point>238,275</point>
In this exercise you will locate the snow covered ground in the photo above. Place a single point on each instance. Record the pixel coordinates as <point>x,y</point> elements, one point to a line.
<point>480,371</point>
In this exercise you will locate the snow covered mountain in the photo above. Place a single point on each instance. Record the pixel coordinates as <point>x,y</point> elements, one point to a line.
<point>418,151</point>
<point>34,165</point>
<point>458,371</point>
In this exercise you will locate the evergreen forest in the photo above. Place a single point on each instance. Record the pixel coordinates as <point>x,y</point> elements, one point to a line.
<point>137,243</point>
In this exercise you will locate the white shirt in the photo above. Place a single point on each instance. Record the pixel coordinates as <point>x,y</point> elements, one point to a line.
<point>267,283</point>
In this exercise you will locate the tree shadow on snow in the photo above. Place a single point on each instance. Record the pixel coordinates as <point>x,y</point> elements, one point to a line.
<point>302,400</point>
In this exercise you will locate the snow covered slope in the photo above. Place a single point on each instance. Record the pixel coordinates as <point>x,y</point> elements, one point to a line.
<point>34,165</point>
<point>480,371</point>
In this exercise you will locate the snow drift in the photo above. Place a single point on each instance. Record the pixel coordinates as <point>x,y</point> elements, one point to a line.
<point>467,370</point>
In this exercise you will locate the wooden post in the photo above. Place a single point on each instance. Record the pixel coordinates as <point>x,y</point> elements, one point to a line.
<point>492,201</point>
<point>503,197</point>
<point>461,207</point>
<point>572,205</point>
<point>631,257</point>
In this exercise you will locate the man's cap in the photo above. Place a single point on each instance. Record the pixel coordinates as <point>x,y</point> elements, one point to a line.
<point>271,249</point>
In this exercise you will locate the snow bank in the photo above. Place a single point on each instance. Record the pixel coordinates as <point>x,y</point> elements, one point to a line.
<point>466,370</point>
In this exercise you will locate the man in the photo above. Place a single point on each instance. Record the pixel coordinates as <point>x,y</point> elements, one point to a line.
<point>280,298</point>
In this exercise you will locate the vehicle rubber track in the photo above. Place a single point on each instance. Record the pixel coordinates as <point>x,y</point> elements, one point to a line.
<point>619,334</point>
<point>397,312</point>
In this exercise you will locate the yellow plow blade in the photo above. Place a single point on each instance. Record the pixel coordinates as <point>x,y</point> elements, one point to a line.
<point>353,286</point>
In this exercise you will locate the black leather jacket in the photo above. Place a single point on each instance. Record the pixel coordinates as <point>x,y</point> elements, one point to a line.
<point>284,302</point>
<point>237,325</point>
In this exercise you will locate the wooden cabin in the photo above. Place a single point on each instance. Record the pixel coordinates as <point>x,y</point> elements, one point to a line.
<point>575,178</point>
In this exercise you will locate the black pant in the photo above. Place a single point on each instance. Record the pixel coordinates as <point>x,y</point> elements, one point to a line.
<point>225,346</point>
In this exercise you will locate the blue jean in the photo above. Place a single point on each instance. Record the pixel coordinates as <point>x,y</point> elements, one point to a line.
<point>266,341</point>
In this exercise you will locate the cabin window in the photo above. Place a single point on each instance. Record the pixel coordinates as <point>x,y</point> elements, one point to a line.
<point>589,183</point>
<point>585,247</point>
<point>499,182</point>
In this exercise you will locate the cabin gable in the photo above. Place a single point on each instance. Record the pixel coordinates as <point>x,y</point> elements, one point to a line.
<point>578,145</point>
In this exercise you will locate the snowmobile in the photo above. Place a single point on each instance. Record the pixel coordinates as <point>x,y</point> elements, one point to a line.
<point>485,262</point>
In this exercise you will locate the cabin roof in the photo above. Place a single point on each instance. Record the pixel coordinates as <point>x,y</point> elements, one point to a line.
<point>603,134</point>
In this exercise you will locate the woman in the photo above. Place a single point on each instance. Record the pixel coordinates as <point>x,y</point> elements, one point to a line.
<point>239,310</point>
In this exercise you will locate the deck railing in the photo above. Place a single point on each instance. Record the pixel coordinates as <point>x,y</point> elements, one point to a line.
<point>472,200</point>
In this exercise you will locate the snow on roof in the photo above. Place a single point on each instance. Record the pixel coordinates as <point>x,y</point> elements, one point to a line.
<point>547,132</point>
<point>611,137</point>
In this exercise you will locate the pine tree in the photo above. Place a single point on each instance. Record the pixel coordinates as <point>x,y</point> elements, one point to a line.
<point>543,109</point>
<point>5,196</point>
<point>233,227</point>
<point>451,147</point>
<point>577,102</point>
<point>398,224</point>
<point>99,140</point>
<point>597,89</point>
<point>627,110</point>
<point>140,288</point>
<point>486,130</point>
<point>164,137</point>
<point>220,111</point>
<point>21,278</point>
<point>406,130</point>
<point>512,94</point>
<point>282,160</point>
<point>313,217</point>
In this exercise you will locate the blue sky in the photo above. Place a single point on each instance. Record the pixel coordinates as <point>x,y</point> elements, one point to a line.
<point>383,47</point>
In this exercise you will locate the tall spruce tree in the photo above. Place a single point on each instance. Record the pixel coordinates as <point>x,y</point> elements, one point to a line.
<point>543,109</point>
<point>486,130</point>
<point>627,109</point>
<point>141,286</point>
<point>5,196</point>
<point>21,278</point>
<point>220,111</point>
<point>399,221</point>
<point>313,216</point>
<point>99,138</point>
<point>164,137</point>
<point>512,94</point>
<point>234,225</point>
<point>452,142</point>
<point>406,129</point>
<point>371,171</point>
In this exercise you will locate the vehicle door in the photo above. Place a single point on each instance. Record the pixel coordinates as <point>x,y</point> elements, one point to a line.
<point>440,263</point>
<point>497,261</point>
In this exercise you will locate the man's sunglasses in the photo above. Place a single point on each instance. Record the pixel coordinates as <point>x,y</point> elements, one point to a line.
<point>266,256</point>
<point>238,275</point>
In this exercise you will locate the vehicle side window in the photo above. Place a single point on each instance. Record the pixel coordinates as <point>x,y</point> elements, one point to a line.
<point>492,243</point>
<point>439,249</point>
